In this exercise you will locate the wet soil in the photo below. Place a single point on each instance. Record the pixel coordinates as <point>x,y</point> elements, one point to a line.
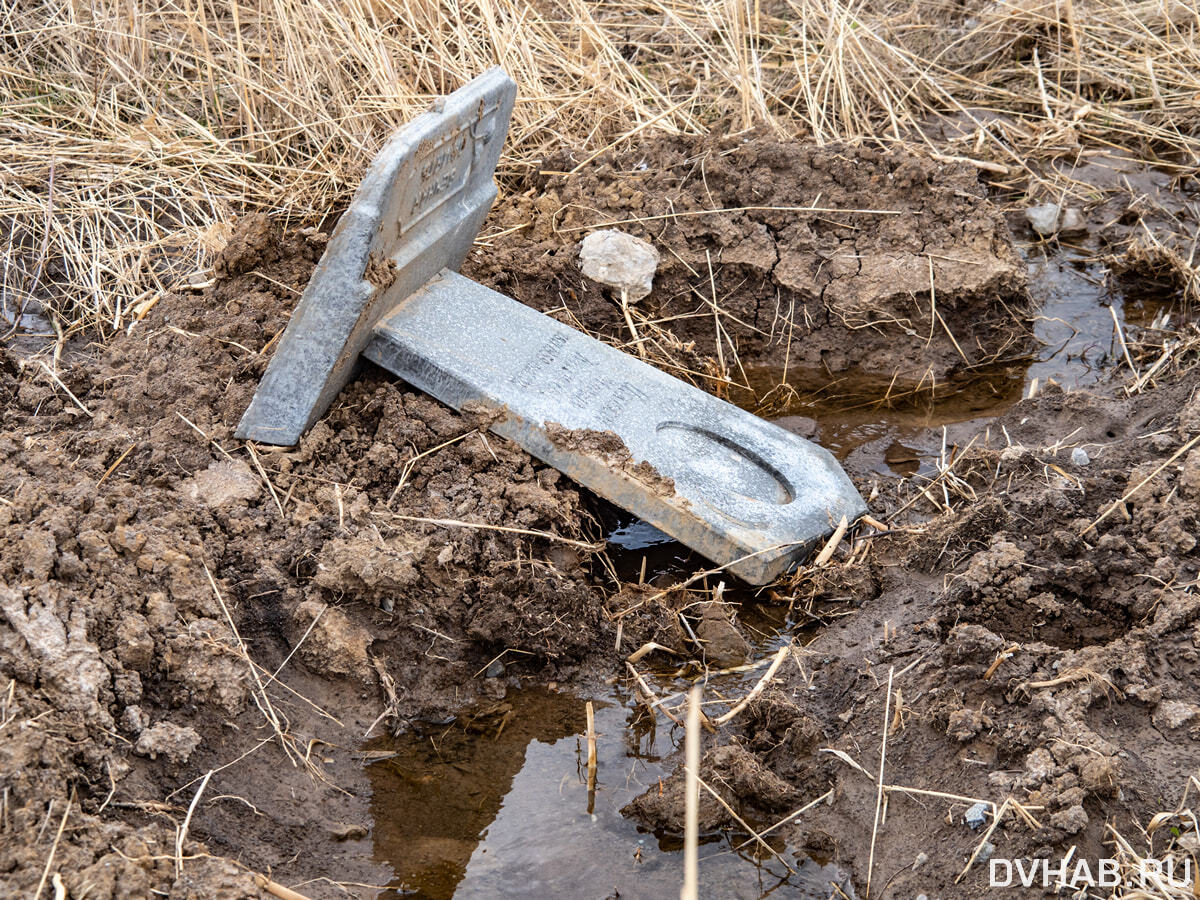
<point>304,625</point>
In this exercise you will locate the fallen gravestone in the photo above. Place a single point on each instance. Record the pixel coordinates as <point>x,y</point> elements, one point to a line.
<point>737,489</point>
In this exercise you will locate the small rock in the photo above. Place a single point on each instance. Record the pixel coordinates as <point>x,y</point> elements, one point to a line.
<point>921,859</point>
<point>986,849</point>
<point>1039,764</point>
<point>1071,221</point>
<point>1174,713</point>
<point>1072,820</point>
<point>1050,219</point>
<point>133,719</point>
<point>1079,457</point>
<point>976,815</point>
<point>619,261</point>
<point>337,644</point>
<point>495,669</point>
<point>347,832</point>
<point>174,742</point>
<point>1043,219</point>
<point>223,483</point>
<point>723,644</point>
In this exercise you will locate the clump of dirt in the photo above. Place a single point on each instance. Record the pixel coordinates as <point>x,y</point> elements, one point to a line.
<point>823,257</point>
<point>745,785</point>
<point>607,448</point>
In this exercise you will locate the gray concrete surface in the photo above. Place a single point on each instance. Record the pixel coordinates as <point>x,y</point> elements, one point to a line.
<point>416,212</point>
<point>746,492</point>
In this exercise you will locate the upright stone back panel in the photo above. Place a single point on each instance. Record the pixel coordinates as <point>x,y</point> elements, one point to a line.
<point>417,212</point>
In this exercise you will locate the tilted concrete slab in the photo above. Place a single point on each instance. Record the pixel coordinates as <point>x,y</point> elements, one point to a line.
<point>735,488</point>
<point>744,491</point>
<point>416,212</point>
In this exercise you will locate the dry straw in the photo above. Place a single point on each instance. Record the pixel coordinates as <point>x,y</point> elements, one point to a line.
<point>134,130</point>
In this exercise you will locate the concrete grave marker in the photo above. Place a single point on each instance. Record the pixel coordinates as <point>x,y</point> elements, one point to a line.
<point>731,486</point>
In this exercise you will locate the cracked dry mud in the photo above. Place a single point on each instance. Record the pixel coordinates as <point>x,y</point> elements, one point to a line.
<point>126,682</point>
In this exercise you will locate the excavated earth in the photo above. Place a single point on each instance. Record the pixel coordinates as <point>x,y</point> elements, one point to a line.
<point>174,602</point>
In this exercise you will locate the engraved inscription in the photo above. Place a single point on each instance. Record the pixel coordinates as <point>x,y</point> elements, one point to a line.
<point>542,360</point>
<point>619,394</point>
<point>442,164</point>
<point>437,174</point>
<point>559,369</point>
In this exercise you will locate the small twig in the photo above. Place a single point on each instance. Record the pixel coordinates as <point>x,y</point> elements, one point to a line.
<point>984,165</point>
<point>264,704</point>
<point>54,848</point>
<point>691,827</point>
<point>548,535</point>
<point>999,814</point>
<point>263,472</point>
<point>181,835</point>
<point>788,818</point>
<point>1121,338</point>
<point>831,545</point>
<point>59,382</point>
<point>591,760</point>
<point>275,889</point>
<point>758,688</point>
<point>1141,484</point>
<point>1003,655</point>
<point>1037,68</point>
<point>648,695</point>
<point>646,649</point>
<point>754,835</point>
<point>113,467</point>
<point>887,714</point>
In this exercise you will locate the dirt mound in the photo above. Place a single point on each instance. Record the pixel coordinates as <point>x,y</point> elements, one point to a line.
<point>115,637</point>
<point>826,258</point>
<point>175,603</point>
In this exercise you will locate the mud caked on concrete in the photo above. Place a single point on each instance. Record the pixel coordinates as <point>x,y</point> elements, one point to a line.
<point>735,488</point>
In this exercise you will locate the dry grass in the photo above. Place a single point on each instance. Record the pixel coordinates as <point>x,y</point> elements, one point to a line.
<point>134,130</point>
<point>1161,861</point>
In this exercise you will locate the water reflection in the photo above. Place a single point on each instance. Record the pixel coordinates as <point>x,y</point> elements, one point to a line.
<point>497,805</point>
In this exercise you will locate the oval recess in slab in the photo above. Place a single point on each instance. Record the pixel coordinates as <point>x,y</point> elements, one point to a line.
<point>716,467</point>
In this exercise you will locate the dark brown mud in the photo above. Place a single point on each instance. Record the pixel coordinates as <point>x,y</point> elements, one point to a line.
<point>1032,654</point>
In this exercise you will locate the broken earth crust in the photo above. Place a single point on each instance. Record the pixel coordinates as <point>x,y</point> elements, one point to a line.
<point>128,681</point>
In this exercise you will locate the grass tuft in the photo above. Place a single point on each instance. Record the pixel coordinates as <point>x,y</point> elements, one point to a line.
<point>134,130</point>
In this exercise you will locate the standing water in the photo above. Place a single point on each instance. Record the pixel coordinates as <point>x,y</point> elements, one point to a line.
<point>497,804</point>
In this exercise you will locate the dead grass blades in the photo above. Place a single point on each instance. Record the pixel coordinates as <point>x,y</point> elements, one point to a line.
<point>133,130</point>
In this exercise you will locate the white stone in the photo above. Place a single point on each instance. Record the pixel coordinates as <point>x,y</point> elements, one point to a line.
<point>1071,220</point>
<point>1043,219</point>
<point>619,261</point>
<point>1079,457</point>
<point>223,483</point>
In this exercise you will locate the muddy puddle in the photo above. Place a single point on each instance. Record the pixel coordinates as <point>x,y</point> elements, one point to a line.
<point>497,804</point>
<point>876,427</point>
